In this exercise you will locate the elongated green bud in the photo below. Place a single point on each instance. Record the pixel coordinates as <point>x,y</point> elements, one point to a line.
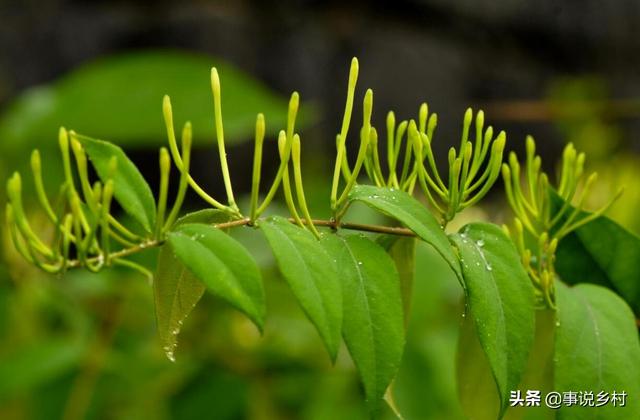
<point>184,176</point>
<point>67,236</point>
<point>466,124</point>
<point>18,242</point>
<point>165,170</point>
<point>580,165</point>
<point>431,125</point>
<point>297,170</point>
<point>295,149</point>
<point>294,104</point>
<point>568,171</point>
<point>14,192</point>
<point>215,87</point>
<point>346,120</point>
<point>257,163</point>
<point>63,142</point>
<point>391,127</point>
<point>367,107</point>
<point>454,192</point>
<point>365,134</point>
<point>479,125</point>
<point>83,174</point>
<point>167,113</point>
<point>451,156</point>
<point>501,140</point>
<point>286,185</point>
<point>422,117</point>
<point>36,168</point>
<point>412,133</point>
<point>186,139</point>
<point>282,141</point>
<point>402,128</point>
<point>531,147</point>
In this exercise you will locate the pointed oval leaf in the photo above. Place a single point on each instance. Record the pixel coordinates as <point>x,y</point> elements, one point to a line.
<point>596,349</point>
<point>176,290</point>
<point>539,372</point>
<point>403,253</point>
<point>500,299</point>
<point>475,381</point>
<point>373,326</point>
<point>311,273</point>
<point>129,187</point>
<point>583,256</point>
<point>406,209</point>
<point>225,267</point>
<point>99,98</point>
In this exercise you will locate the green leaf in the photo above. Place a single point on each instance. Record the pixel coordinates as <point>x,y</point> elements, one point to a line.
<point>99,98</point>
<point>373,327</point>
<point>226,268</point>
<point>585,256</point>
<point>406,209</point>
<point>129,187</point>
<point>539,372</point>
<point>500,298</point>
<point>596,349</point>
<point>311,274</point>
<point>403,252</point>
<point>476,385</point>
<point>176,290</point>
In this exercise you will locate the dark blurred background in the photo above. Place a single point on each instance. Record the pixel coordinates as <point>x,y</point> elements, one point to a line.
<point>84,346</point>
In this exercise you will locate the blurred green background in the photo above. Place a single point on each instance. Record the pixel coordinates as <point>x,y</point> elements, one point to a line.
<point>85,346</point>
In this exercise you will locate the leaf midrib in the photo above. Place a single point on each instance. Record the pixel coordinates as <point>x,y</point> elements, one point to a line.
<point>368,311</point>
<point>596,330</point>
<point>502,317</point>
<point>316,290</point>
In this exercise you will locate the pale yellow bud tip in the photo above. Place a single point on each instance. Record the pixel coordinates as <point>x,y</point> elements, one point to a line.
<point>35,161</point>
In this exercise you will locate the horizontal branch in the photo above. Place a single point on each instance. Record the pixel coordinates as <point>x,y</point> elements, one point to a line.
<point>390,230</point>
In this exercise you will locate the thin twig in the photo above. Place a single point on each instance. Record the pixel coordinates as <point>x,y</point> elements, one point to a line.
<point>390,230</point>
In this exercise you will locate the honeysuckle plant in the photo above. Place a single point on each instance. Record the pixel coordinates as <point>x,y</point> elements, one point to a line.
<point>358,288</point>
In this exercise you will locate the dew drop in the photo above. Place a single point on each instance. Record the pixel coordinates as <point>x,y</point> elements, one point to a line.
<point>169,352</point>
<point>488,267</point>
<point>557,323</point>
<point>480,243</point>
